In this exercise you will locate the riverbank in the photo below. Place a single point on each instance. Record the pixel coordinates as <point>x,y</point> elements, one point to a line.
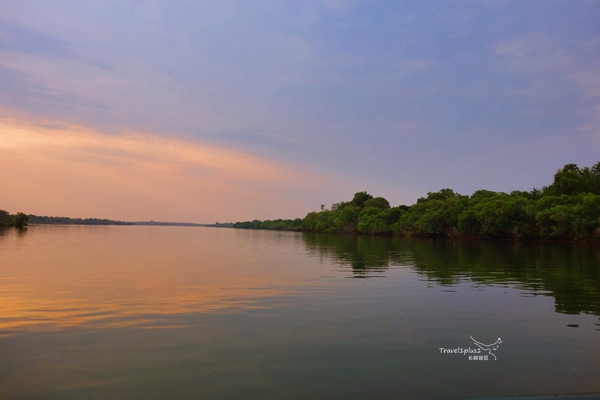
<point>566,210</point>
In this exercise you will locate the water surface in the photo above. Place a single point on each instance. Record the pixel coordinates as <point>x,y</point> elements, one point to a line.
<point>139,312</point>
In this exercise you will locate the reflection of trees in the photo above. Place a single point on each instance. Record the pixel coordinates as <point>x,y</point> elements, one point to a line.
<point>568,272</point>
<point>365,254</point>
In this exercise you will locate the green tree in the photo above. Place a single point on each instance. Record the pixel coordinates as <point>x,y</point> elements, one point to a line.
<point>21,220</point>
<point>340,205</point>
<point>437,214</point>
<point>569,208</point>
<point>468,223</point>
<point>360,198</point>
<point>506,216</point>
<point>5,219</point>
<point>572,180</point>
<point>346,219</point>
<point>372,220</point>
<point>377,202</point>
<point>569,217</point>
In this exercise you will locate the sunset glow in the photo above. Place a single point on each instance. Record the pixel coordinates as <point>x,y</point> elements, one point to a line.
<point>328,199</point>
<point>225,111</point>
<point>62,169</point>
<point>186,274</point>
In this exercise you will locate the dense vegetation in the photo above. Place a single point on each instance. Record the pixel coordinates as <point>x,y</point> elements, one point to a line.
<point>276,225</point>
<point>567,209</point>
<point>36,219</point>
<point>18,220</point>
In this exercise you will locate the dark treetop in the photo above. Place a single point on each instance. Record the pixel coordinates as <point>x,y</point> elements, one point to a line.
<point>18,220</point>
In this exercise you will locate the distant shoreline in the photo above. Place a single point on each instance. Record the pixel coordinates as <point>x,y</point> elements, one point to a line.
<point>153,223</point>
<point>45,220</point>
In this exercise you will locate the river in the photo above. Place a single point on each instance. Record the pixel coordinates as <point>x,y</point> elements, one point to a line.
<point>147,312</point>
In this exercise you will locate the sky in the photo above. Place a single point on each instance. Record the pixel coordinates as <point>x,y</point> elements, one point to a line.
<point>238,110</point>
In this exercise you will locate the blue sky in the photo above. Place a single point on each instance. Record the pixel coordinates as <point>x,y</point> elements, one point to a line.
<point>396,98</point>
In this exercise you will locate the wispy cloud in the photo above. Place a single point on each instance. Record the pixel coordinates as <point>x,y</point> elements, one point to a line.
<point>137,175</point>
<point>31,41</point>
<point>375,91</point>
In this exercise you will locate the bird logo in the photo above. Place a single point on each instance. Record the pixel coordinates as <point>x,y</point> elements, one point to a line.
<point>488,347</point>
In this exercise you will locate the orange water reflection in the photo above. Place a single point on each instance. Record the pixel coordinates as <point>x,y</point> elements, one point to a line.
<point>61,276</point>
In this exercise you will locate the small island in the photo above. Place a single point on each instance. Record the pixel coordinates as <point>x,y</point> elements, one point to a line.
<point>568,209</point>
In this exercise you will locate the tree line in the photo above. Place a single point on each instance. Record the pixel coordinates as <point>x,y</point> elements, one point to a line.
<point>569,209</point>
<point>18,220</point>
<point>37,219</point>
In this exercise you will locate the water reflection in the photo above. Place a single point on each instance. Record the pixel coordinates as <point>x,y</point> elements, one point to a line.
<point>64,276</point>
<point>61,276</point>
<point>255,315</point>
<point>368,256</point>
<point>568,272</point>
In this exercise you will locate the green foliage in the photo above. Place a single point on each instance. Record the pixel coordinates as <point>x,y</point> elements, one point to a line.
<point>480,195</point>
<point>5,219</point>
<point>377,202</point>
<point>505,216</point>
<point>372,220</point>
<point>437,214</point>
<point>346,219</point>
<point>277,225</point>
<point>572,180</point>
<point>404,224</point>
<point>393,214</point>
<point>569,217</point>
<point>468,223</point>
<point>443,195</point>
<point>19,220</point>
<point>360,198</point>
<point>341,205</point>
<point>319,222</point>
<point>567,209</point>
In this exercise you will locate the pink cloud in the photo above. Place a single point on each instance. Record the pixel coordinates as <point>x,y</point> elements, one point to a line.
<point>61,169</point>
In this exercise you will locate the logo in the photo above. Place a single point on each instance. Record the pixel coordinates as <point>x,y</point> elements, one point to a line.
<point>478,353</point>
<point>488,347</point>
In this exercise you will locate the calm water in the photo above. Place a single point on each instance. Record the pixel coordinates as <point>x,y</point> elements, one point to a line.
<point>128,312</point>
